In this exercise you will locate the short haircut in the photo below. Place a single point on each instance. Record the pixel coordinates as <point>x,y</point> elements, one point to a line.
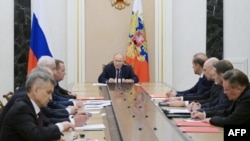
<point>222,66</point>
<point>58,62</point>
<point>45,61</point>
<point>200,59</point>
<point>38,74</point>
<point>236,77</point>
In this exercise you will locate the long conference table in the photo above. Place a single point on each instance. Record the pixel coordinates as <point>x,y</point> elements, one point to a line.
<point>132,116</point>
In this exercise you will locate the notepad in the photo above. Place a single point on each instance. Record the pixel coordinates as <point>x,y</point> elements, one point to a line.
<point>199,129</point>
<point>93,127</point>
<point>192,123</point>
<point>90,97</point>
<point>99,84</point>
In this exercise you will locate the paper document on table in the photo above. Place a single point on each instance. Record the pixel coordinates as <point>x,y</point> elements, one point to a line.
<point>97,102</point>
<point>177,111</point>
<point>200,129</point>
<point>93,107</point>
<point>194,123</point>
<point>93,127</point>
<point>99,84</point>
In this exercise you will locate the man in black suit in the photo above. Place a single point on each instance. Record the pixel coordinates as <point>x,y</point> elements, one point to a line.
<point>212,93</point>
<point>221,101</point>
<point>236,87</point>
<point>24,121</point>
<point>118,72</point>
<point>60,73</point>
<point>202,85</point>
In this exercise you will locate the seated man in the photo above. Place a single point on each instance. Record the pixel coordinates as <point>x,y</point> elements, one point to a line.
<point>222,101</point>
<point>211,94</point>
<point>24,121</point>
<point>49,62</point>
<point>236,87</point>
<point>202,85</point>
<point>60,73</point>
<point>117,70</point>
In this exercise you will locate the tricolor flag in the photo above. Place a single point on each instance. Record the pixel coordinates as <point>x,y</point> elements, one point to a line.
<point>38,42</point>
<point>137,51</point>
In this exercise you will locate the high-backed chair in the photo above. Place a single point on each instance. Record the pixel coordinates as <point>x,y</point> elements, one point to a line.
<point>1,106</point>
<point>8,95</point>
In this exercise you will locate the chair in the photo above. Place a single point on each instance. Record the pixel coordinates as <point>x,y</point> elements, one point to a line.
<point>8,96</point>
<point>1,106</point>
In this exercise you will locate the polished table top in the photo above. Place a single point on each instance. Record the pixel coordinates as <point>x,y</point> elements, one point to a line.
<point>134,116</point>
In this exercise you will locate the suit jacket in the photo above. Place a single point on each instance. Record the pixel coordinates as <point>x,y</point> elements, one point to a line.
<point>209,95</point>
<point>54,115</point>
<point>21,124</point>
<point>62,92</point>
<point>109,71</point>
<point>237,114</point>
<point>219,103</point>
<point>199,88</point>
<point>62,100</point>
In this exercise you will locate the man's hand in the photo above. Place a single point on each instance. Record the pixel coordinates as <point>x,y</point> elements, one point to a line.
<point>111,80</point>
<point>79,103</point>
<point>67,125</point>
<point>171,93</point>
<point>197,115</point>
<point>73,109</point>
<point>80,120</point>
<point>194,106</point>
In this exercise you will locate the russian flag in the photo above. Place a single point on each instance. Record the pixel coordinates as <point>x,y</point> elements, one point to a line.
<point>38,42</point>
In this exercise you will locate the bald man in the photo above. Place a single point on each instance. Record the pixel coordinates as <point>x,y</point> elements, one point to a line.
<point>209,72</point>
<point>118,70</point>
<point>202,84</point>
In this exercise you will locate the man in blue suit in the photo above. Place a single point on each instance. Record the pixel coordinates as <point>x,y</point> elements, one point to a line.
<point>118,72</point>
<point>202,85</point>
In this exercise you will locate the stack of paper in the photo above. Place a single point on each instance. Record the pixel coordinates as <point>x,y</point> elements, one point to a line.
<point>93,127</point>
<point>96,104</point>
<point>200,129</point>
<point>90,97</point>
<point>192,123</point>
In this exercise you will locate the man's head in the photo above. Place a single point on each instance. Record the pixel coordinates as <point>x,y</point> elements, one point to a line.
<point>234,83</point>
<point>208,68</point>
<point>118,61</point>
<point>40,85</point>
<point>198,62</point>
<point>60,70</point>
<point>221,67</point>
<point>49,62</point>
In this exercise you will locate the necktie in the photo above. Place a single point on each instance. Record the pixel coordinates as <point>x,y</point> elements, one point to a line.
<point>117,73</point>
<point>40,119</point>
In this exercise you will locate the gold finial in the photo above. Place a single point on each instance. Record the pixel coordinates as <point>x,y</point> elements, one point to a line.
<point>120,4</point>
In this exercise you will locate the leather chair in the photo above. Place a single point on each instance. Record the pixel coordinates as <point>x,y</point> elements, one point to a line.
<point>1,106</point>
<point>8,96</point>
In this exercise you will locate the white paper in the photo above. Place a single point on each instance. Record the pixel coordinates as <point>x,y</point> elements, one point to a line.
<point>99,84</point>
<point>93,127</point>
<point>178,111</point>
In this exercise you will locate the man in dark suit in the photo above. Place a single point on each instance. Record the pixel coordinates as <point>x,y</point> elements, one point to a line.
<point>236,87</point>
<point>202,85</point>
<point>221,101</point>
<point>184,100</point>
<point>59,76</point>
<point>24,121</point>
<point>118,72</point>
